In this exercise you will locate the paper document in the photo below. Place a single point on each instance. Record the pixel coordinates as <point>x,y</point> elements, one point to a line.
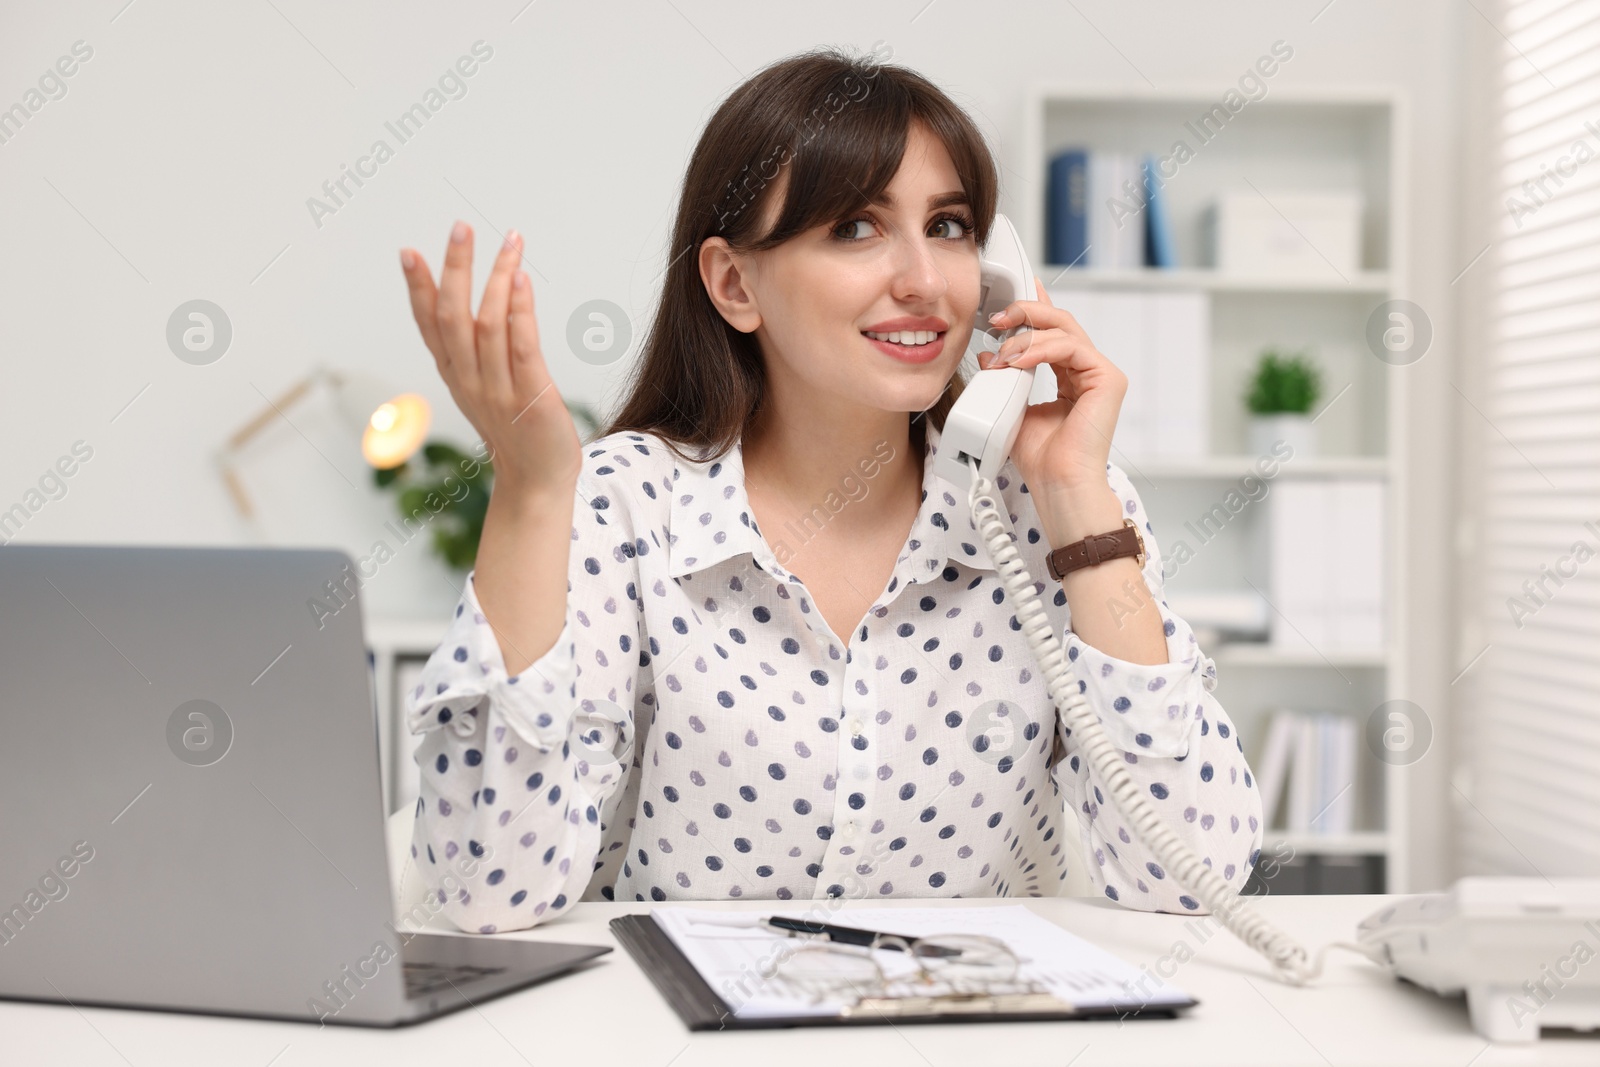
<point>744,963</point>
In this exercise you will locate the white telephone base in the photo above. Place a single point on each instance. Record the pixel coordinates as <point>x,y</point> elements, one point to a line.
<point>1525,951</point>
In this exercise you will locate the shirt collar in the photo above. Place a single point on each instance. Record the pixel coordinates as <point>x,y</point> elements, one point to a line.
<point>711,521</point>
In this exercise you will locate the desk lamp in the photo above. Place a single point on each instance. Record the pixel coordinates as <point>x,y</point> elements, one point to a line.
<point>392,425</point>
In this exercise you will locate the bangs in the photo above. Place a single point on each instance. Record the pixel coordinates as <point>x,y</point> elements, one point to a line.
<point>849,146</point>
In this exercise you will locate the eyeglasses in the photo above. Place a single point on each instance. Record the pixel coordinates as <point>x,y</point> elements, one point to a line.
<point>940,973</point>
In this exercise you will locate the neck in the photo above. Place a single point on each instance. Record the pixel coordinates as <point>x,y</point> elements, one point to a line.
<point>797,463</point>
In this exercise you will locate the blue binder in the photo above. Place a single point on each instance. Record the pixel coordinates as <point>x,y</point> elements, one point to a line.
<point>1067,197</point>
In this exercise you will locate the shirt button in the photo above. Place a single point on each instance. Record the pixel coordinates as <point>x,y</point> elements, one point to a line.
<point>855,728</point>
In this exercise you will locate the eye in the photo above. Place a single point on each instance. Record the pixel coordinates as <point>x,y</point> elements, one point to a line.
<point>964,221</point>
<point>849,223</point>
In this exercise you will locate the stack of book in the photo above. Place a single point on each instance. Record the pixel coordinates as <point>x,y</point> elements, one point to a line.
<point>1311,757</point>
<point>1327,565</point>
<point>1107,210</point>
<point>1162,342</point>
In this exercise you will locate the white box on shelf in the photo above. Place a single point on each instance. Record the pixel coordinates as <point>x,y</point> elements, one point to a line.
<point>1327,565</point>
<point>1300,570</point>
<point>1358,610</point>
<point>1122,322</point>
<point>1162,342</point>
<point>1178,354</point>
<point>1274,232</point>
<point>1114,321</point>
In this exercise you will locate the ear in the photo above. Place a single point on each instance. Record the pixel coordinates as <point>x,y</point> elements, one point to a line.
<point>724,273</point>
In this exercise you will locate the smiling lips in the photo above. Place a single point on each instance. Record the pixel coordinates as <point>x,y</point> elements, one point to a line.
<point>908,346</point>
<point>909,339</point>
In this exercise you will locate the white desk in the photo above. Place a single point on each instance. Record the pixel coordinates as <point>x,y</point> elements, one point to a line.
<point>608,1012</point>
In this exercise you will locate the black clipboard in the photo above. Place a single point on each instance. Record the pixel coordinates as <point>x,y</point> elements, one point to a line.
<point>700,1008</point>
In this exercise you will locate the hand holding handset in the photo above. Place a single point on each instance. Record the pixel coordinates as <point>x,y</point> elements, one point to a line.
<point>978,435</point>
<point>982,425</point>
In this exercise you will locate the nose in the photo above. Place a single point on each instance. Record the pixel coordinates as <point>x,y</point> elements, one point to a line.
<point>917,273</point>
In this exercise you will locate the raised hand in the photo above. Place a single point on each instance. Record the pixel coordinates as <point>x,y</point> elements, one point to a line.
<point>493,363</point>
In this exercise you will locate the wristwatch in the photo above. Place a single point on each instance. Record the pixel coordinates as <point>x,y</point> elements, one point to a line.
<point>1097,548</point>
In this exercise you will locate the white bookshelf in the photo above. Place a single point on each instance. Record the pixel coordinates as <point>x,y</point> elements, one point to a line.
<point>1293,138</point>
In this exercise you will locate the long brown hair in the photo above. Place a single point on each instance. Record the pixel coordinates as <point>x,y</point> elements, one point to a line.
<point>840,124</point>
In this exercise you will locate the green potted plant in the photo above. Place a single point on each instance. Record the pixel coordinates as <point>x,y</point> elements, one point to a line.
<point>447,490</point>
<point>1284,389</point>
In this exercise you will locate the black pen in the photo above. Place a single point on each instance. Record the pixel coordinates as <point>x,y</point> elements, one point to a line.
<point>850,935</point>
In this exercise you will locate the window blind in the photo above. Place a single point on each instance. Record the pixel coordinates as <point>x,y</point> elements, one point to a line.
<point>1531,729</point>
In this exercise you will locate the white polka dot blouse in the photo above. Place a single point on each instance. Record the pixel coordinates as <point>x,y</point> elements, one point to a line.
<point>698,732</point>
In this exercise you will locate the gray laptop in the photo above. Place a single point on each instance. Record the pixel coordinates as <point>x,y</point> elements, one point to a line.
<point>191,816</point>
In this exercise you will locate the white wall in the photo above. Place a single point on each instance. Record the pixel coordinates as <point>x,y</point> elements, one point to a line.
<point>179,163</point>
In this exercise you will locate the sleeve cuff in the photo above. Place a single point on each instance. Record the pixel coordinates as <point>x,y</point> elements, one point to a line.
<point>467,667</point>
<point>1146,707</point>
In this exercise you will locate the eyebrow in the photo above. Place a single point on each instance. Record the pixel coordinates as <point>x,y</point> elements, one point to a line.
<point>941,200</point>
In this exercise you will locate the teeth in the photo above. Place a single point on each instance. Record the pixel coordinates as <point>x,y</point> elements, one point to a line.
<point>905,337</point>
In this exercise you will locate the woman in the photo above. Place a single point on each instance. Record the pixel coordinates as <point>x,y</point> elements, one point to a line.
<point>746,644</point>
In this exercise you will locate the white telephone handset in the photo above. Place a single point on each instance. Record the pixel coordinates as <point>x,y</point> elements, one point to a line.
<point>977,437</point>
<point>983,423</point>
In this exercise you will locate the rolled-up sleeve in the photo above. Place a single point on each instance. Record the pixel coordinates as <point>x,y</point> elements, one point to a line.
<point>468,669</point>
<point>519,775</point>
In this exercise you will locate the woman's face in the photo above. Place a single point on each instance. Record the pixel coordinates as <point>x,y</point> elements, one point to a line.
<point>830,306</point>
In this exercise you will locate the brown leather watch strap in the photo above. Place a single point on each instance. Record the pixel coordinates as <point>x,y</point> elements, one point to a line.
<point>1097,548</point>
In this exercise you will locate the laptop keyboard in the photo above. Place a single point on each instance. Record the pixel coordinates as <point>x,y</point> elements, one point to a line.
<point>425,978</point>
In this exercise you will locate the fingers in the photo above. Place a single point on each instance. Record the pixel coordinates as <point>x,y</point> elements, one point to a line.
<point>1068,356</point>
<point>1040,314</point>
<point>453,308</point>
<point>529,375</point>
<point>419,284</point>
<point>494,356</point>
